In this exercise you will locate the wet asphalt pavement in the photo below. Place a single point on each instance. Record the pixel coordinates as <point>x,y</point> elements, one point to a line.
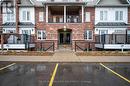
<point>67,74</point>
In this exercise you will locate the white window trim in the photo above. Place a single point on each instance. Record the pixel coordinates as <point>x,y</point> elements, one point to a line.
<point>41,35</point>
<point>26,17</point>
<point>87,31</point>
<point>104,15</point>
<point>119,16</point>
<point>87,17</point>
<point>9,17</point>
<point>41,16</point>
<point>32,30</point>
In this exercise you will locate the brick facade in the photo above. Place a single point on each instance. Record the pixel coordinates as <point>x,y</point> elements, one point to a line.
<point>78,29</point>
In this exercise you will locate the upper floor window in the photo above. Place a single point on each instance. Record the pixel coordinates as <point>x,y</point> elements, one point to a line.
<point>118,15</point>
<point>41,16</point>
<point>103,15</point>
<point>10,17</point>
<point>26,15</point>
<point>87,16</point>
<point>88,34</point>
<point>41,34</point>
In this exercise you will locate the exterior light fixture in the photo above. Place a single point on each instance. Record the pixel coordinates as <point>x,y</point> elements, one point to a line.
<point>65,28</point>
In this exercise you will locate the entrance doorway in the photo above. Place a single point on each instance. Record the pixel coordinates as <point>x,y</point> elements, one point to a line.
<point>65,36</point>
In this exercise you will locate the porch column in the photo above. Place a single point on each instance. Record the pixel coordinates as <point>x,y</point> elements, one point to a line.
<point>46,14</point>
<point>64,14</point>
<point>82,14</point>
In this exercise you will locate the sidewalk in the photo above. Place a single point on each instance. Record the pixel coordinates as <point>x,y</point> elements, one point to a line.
<point>66,56</point>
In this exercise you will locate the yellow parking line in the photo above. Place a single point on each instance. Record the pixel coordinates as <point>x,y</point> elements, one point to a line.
<point>53,75</point>
<point>115,73</point>
<point>7,66</point>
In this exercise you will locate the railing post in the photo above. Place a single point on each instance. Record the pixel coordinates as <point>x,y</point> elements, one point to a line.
<point>75,46</point>
<point>53,46</point>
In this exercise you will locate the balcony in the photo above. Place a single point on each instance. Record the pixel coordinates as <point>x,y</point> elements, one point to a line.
<point>61,14</point>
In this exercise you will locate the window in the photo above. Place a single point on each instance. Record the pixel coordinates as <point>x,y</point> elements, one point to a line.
<point>118,15</point>
<point>102,32</point>
<point>88,35</point>
<point>26,16</point>
<point>41,34</point>
<point>9,30</point>
<point>10,17</point>
<point>103,15</point>
<point>87,17</point>
<point>26,32</point>
<point>41,16</point>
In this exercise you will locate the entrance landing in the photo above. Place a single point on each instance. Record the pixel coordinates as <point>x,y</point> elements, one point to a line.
<point>65,53</point>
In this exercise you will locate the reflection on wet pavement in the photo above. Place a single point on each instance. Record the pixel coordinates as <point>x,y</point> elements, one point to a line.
<point>87,74</point>
<point>68,74</point>
<point>26,75</point>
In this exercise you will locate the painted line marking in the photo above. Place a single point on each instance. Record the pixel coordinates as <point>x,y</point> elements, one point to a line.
<point>7,66</point>
<point>115,73</point>
<point>53,75</point>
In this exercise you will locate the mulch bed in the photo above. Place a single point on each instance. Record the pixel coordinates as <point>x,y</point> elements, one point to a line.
<point>103,53</point>
<point>29,53</point>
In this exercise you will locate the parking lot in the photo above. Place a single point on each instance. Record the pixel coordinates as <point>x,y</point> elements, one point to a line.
<point>64,74</point>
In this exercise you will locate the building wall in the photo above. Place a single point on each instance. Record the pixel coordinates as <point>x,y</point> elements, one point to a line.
<point>32,14</point>
<point>129,17</point>
<point>111,14</point>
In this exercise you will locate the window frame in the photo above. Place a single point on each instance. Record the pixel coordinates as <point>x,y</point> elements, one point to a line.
<point>41,16</point>
<point>87,16</point>
<point>42,34</point>
<point>26,15</point>
<point>119,15</point>
<point>103,15</point>
<point>87,35</point>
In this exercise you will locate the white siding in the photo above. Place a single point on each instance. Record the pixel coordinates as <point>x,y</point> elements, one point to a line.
<point>29,30</point>
<point>32,14</point>
<point>111,14</point>
<point>110,30</point>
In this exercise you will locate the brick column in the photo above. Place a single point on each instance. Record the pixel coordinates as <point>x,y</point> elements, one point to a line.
<point>17,15</point>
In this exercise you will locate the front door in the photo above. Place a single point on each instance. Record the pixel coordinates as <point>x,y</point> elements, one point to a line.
<point>64,38</point>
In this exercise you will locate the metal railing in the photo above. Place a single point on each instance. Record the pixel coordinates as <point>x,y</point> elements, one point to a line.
<point>113,39</point>
<point>17,38</point>
<point>45,46</point>
<point>69,19</point>
<point>84,46</point>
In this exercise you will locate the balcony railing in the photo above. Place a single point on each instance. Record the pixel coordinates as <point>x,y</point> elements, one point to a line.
<point>69,19</point>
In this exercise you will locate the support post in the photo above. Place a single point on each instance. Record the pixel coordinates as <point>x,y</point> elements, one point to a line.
<point>2,42</point>
<point>82,14</point>
<point>64,14</point>
<point>75,46</point>
<point>46,14</point>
